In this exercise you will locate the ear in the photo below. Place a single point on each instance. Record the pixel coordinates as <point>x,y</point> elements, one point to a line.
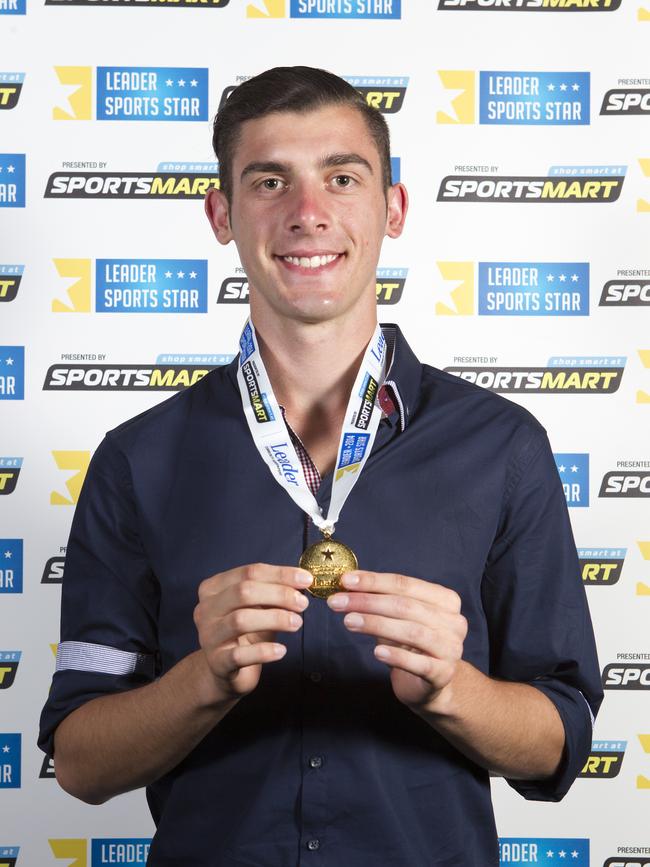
<point>398,205</point>
<point>218,213</point>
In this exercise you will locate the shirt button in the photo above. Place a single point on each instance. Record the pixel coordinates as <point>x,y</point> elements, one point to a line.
<point>316,762</point>
<point>315,677</point>
<point>312,845</point>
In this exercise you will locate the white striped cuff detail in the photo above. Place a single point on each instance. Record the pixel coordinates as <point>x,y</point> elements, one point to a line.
<point>100,659</point>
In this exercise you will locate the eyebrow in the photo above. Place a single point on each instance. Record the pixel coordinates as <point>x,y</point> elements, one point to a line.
<point>329,161</point>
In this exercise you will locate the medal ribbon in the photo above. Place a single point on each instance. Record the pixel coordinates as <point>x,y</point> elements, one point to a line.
<point>272,439</point>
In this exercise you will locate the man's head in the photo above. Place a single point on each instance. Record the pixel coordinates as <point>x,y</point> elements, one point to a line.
<point>295,89</point>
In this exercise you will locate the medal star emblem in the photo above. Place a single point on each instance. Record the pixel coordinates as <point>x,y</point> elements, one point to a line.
<point>328,554</point>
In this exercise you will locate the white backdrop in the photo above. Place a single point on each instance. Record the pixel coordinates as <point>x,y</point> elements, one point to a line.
<point>58,81</point>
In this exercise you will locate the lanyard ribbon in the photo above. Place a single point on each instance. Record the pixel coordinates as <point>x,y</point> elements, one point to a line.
<point>272,439</point>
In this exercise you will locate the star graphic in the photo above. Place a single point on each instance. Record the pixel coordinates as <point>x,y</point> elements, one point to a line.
<point>6,749</point>
<point>561,468</point>
<point>180,274</point>
<point>169,82</point>
<point>328,554</point>
<point>8,555</point>
<point>549,854</point>
<point>562,853</point>
<point>574,278</point>
<point>168,274</point>
<point>551,86</point>
<point>181,82</point>
<point>10,169</point>
<point>550,278</point>
<point>575,86</point>
<point>193,82</point>
<point>192,275</point>
<point>563,86</point>
<point>10,362</point>
<point>562,278</point>
<point>574,854</point>
<point>574,468</point>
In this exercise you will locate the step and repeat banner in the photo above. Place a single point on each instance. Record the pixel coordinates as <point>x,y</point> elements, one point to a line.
<point>522,131</point>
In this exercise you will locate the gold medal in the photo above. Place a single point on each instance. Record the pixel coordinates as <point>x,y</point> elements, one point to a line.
<point>327,560</point>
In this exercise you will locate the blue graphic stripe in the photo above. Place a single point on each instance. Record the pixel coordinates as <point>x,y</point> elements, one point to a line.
<point>533,288</point>
<point>12,180</point>
<point>151,286</point>
<point>534,98</point>
<point>544,851</point>
<point>379,9</point>
<point>573,468</point>
<point>152,93</point>
<point>12,372</point>
<point>132,851</point>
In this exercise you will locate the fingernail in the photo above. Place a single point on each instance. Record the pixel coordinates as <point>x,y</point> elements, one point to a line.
<point>295,619</point>
<point>303,579</point>
<point>353,620</point>
<point>339,600</point>
<point>350,580</point>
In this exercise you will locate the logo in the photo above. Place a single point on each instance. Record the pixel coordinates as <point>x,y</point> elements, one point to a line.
<point>130,851</point>
<point>9,660</point>
<point>140,4</point>
<point>516,97</point>
<point>635,861</point>
<point>627,98</point>
<point>517,289</point>
<point>592,184</point>
<point>573,468</point>
<point>12,372</point>
<point>601,566</point>
<point>169,373</point>
<point>564,374</point>
<point>170,181</point>
<point>10,749</point>
<point>528,5</point>
<point>626,292</point>
<point>379,9</point>
<point>13,7</point>
<point>53,571</point>
<point>644,396</point>
<point>135,93</point>
<point>10,277</point>
<point>9,856</point>
<point>604,761</point>
<point>545,852</point>
<point>70,461</point>
<point>259,400</point>
<point>385,93</point>
<point>234,290</point>
<point>619,483</point>
<point>353,448</point>
<point>11,85</point>
<point>281,459</point>
<point>643,782</point>
<point>643,589</point>
<point>627,675</point>
<point>47,769</point>
<point>368,393</point>
<point>390,284</point>
<point>12,180</point>
<point>134,286</point>
<point>9,472</point>
<point>642,205</point>
<point>11,565</point>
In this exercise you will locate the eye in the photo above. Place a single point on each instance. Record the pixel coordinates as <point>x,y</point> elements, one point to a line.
<point>343,181</point>
<point>271,183</point>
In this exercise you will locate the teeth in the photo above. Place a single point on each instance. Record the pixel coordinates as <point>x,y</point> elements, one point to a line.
<point>310,262</point>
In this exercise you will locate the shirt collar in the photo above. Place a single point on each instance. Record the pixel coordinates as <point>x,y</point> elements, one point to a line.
<point>404,373</point>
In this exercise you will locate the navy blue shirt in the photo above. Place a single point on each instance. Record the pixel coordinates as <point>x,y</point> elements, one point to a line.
<point>321,764</point>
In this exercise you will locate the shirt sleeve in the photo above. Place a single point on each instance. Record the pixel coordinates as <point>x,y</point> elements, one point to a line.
<point>109,598</point>
<point>538,620</point>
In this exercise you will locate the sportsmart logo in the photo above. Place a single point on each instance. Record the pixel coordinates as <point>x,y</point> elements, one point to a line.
<point>169,373</point>
<point>9,856</point>
<point>389,284</point>
<point>133,286</point>
<point>601,567</point>
<point>9,472</point>
<point>11,85</point>
<point>544,851</point>
<point>377,9</point>
<point>129,851</point>
<point>9,660</point>
<point>630,479</point>
<point>623,674</point>
<point>515,289</point>
<point>562,184</point>
<point>169,4</point>
<point>134,93</point>
<point>562,375</point>
<point>169,181</point>
<point>639,857</point>
<point>604,761</point>
<point>515,97</point>
<point>10,278</point>
<point>53,571</point>
<point>631,288</point>
<point>529,5</point>
<point>631,96</point>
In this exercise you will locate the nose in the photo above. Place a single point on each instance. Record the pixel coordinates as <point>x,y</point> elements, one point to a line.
<point>308,211</point>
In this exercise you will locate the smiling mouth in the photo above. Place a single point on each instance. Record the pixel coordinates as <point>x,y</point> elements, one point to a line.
<point>311,262</point>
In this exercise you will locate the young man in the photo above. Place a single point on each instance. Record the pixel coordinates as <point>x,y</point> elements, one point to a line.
<point>356,727</point>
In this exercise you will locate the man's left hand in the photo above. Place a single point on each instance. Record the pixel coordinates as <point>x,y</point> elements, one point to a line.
<point>418,627</point>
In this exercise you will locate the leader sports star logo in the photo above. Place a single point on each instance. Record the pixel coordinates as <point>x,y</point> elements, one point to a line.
<point>545,852</point>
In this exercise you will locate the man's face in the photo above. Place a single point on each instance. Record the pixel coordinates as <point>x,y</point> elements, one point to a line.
<point>308,213</point>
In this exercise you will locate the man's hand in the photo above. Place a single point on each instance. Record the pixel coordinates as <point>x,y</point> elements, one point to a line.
<point>418,627</point>
<point>238,615</point>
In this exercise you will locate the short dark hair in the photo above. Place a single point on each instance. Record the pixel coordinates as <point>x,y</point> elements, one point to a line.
<point>291,88</point>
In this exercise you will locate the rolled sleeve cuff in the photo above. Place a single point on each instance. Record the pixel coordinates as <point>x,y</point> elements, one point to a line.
<point>578,719</point>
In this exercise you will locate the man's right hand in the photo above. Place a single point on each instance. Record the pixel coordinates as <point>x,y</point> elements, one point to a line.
<point>237,618</point>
